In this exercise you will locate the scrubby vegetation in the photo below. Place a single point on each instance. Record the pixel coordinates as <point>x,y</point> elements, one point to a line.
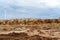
<point>35,29</point>
<point>23,36</point>
<point>29,21</point>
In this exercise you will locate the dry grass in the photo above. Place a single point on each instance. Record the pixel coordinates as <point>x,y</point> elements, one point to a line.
<point>46,28</point>
<point>29,21</point>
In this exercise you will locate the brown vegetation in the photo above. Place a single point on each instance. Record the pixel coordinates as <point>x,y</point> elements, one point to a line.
<point>23,36</point>
<point>33,29</point>
<point>28,21</point>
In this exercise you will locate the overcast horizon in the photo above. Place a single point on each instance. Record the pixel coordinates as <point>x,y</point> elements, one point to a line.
<point>29,9</point>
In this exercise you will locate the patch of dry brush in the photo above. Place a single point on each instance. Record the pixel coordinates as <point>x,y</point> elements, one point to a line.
<point>35,29</point>
<point>29,21</point>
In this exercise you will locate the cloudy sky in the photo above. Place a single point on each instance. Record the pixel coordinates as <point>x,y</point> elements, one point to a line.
<point>29,9</point>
